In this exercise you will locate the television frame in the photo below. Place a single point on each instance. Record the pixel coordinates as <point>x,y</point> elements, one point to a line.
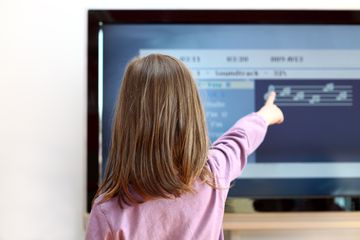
<point>96,18</point>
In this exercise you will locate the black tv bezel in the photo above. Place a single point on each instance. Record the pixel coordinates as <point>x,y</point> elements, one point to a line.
<point>96,18</point>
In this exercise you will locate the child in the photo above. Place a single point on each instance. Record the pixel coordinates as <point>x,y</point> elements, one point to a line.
<point>162,181</point>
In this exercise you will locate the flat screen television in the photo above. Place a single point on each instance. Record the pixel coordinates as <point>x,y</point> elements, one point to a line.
<point>310,58</point>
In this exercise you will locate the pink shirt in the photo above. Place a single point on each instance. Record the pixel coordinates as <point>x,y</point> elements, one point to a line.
<point>191,216</point>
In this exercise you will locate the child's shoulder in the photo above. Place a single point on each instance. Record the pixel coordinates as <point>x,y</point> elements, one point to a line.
<point>105,206</point>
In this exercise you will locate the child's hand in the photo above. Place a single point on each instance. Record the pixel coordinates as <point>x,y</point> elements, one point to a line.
<point>270,112</point>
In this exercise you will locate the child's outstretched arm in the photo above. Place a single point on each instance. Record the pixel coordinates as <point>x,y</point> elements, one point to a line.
<point>228,155</point>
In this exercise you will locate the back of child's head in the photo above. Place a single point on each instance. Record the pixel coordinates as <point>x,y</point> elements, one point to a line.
<point>159,138</point>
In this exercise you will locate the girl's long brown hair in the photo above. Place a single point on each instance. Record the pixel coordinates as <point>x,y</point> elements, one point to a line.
<point>159,139</point>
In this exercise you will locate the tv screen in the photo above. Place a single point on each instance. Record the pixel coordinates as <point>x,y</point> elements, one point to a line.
<point>310,58</point>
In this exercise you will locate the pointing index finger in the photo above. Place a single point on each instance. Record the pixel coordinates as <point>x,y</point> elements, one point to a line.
<point>271,98</point>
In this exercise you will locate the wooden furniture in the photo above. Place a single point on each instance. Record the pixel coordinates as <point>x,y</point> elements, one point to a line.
<point>307,220</point>
<point>300,225</point>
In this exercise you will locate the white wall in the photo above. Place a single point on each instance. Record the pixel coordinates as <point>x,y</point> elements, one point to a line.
<point>43,119</point>
<point>43,108</point>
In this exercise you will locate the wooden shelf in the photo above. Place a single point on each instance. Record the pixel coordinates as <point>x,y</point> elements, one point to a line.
<point>289,221</point>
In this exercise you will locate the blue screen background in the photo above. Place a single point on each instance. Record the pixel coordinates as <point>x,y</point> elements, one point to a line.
<point>122,42</point>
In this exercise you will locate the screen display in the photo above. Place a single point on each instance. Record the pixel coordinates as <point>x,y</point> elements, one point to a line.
<point>315,70</point>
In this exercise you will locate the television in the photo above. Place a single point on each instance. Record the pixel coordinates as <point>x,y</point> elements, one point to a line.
<point>310,58</point>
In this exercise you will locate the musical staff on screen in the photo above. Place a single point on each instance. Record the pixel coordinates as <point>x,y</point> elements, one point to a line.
<point>327,94</point>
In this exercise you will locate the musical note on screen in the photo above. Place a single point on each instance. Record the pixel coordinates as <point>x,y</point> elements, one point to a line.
<point>327,94</point>
<point>329,87</point>
<point>314,99</point>
<point>286,91</point>
<point>342,96</point>
<point>300,95</point>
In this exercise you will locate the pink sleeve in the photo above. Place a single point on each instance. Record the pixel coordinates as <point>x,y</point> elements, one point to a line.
<point>228,155</point>
<point>98,226</point>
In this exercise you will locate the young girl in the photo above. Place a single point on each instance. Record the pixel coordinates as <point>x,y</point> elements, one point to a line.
<point>162,181</point>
